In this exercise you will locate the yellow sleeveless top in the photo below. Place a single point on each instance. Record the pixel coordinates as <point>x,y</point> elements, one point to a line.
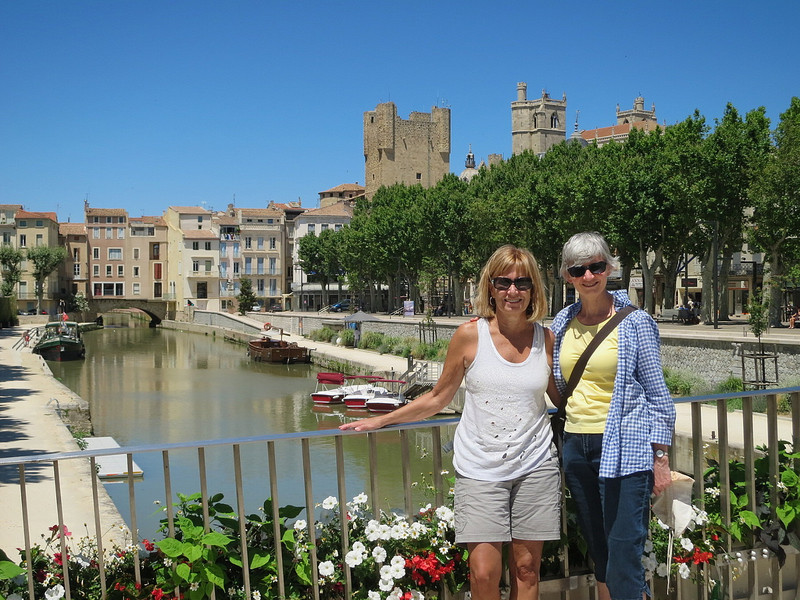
<point>587,408</point>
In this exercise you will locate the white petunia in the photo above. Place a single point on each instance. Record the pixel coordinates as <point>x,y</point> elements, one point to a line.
<point>398,561</point>
<point>648,546</point>
<point>396,594</point>
<point>373,595</point>
<point>687,544</point>
<point>359,547</point>
<point>55,592</point>
<point>326,568</point>
<point>683,571</point>
<point>353,558</point>
<point>379,554</point>
<point>385,532</point>
<point>445,514</point>
<point>400,531</point>
<point>397,572</point>
<point>300,525</point>
<point>425,509</point>
<point>385,572</point>
<point>662,570</point>
<point>330,503</point>
<point>167,562</point>
<point>417,595</point>
<point>386,585</point>
<point>360,499</point>
<point>373,530</point>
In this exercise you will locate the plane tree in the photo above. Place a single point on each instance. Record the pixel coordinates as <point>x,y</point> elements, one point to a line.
<point>44,260</point>
<point>11,266</point>
<point>775,193</point>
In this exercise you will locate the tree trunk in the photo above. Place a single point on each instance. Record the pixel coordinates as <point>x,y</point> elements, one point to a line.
<point>648,277</point>
<point>707,305</point>
<point>724,305</point>
<point>773,281</point>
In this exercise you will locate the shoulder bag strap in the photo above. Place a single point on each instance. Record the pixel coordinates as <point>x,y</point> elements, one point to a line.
<point>580,365</point>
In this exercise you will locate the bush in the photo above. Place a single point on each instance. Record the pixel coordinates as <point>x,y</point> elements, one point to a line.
<point>323,335</point>
<point>681,383</point>
<point>347,337</point>
<point>371,340</point>
<point>730,385</point>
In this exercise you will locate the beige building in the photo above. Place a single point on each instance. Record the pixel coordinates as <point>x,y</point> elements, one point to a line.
<point>263,258</point>
<point>147,263</point>
<point>192,258</point>
<point>36,229</point>
<point>313,222</point>
<point>537,125</point>
<point>74,273</point>
<point>637,117</point>
<point>346,191</point>
<point>8,224</point>
<point>413,151</point>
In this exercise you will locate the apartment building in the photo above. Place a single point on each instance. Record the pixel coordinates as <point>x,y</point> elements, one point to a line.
<point>263,244</point>
<point>192,258</point>
<point>8,224</point>
<point>34,229</point>
<point>148,259</point>
<point>73,275</point>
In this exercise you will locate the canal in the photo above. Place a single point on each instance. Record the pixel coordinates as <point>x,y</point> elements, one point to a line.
<point>155,386</point>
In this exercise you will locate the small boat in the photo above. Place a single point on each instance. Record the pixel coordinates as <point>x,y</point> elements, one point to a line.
<point>60,340</point>
<point>267,349</point>
<point>358,399</point>
<point>325,394</point>
<point>384,400</point>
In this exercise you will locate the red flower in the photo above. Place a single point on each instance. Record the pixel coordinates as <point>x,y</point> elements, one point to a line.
<point>158,593</point>
<point>701,557</point>
<point>148,545</point>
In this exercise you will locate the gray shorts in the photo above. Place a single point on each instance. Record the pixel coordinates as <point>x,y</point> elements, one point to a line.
<point>526,508</point>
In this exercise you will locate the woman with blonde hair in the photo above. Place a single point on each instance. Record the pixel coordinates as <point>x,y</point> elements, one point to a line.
<point>508,486</point>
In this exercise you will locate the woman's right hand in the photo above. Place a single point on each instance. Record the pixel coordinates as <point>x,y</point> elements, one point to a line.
<point>369,424</point>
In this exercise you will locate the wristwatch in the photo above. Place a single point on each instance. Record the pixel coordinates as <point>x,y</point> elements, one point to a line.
<point>660,453</point>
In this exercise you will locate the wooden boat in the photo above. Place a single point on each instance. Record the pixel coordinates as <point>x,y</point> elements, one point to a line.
<point>60,340</point>
<point>266,349</point>
<point>326,394</point>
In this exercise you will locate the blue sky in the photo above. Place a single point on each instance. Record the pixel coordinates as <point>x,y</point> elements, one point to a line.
<point>148,104</point>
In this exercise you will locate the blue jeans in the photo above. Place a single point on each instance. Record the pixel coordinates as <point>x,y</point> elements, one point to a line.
<point>613,514</point>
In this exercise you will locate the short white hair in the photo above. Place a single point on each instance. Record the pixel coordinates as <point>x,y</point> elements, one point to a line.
<point>583,247</point>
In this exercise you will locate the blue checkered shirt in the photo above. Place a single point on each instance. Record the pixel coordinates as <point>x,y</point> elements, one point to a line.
<point>642,411</point>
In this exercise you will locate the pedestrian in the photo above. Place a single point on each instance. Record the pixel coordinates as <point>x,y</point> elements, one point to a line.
<point>620,418</point>
<point>507,474</point>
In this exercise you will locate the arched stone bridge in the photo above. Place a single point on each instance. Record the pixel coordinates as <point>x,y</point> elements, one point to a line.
<point>155,309</point>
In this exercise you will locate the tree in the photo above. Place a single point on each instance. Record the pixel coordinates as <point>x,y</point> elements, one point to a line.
<point>246,297</point>
<point>776,202</point>
<point>45,260</point>
<point>80,304</point>
<point>11,265</point>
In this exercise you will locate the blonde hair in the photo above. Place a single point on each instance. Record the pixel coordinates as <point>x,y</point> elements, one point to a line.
<point>504,259</point>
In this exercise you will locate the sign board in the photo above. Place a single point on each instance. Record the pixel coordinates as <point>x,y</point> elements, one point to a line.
<point>689,282</point>
<point>637,282</point>
<point>408,308</point>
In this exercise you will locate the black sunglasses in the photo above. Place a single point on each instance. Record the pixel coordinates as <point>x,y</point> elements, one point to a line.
<point>595,268</point>
<point>523,284</point>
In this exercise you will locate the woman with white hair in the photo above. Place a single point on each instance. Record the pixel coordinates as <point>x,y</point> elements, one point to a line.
<point>620,418</point>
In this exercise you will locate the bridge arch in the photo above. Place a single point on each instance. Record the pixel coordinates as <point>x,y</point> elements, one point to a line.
<point>157,310</point>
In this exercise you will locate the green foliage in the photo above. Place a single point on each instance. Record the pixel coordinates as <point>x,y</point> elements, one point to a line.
<point>11,268</point>
<point>371,340</point>
<point>681,383</point>
<point>246,296</point>
<point>758,319</point>
<point>347,337</point>
<point>730,385</point>
<point>44,260</point>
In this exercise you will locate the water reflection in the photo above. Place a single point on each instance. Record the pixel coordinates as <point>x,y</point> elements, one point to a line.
<point>154,386</point>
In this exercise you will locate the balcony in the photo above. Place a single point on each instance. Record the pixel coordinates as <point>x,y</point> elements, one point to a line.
<point>707,432</point>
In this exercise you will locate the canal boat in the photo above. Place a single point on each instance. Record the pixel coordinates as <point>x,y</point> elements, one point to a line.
<point>384,400</point>
<point>267,349</point>
<point>332,387</point>
<point>60,340</point>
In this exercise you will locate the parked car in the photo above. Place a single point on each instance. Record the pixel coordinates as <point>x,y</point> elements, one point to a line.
<point>341,306</point>
<point>275,308</point>
<point>256,307</point>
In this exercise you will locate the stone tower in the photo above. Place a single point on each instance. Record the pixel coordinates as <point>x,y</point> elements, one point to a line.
<point>637,114</point>
<point>537,125</point>
<point>413,151</point>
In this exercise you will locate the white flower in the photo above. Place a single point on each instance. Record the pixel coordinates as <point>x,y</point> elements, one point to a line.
<point>326,568</point>
<point>82,560</point>
<point>400,531</point>
<point>372,595</point>
<point>396,594</point>
<point>444,550</point>
<point>55,592</point>
<point>330,503</point>
<point>256,595</point>
<point>445,472</point>
<point>360,499</point>
<point>385,585</point>
<point>359,547</point>
<point>379,554</point>
<point>648,546</point>
<point>195,585</point>
<point>353,558</point>
<point>300,525</point>
<point>373,530</point>
<point>650,562</point>
<point>385,532</point>
<point>398,561</point>
<point>167,562</point>
<point>662,570</point>
<point>385,573</point>
<point>713,492</point>
<point>701,517</point>
<point>397,571</point>
<point>417,595</point>
<point>445,514</point>
<point>687,544</point>
<point>683,571</point>
<point>425,509</point>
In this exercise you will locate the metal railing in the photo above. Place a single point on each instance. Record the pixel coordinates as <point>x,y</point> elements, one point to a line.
<point>706,428</point>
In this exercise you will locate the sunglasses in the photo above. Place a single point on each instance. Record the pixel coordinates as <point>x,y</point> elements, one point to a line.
<point>523,284</point>
<point>595,268</point>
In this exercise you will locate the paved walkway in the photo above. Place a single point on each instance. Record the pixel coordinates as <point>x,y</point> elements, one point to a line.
<point>30,425</point>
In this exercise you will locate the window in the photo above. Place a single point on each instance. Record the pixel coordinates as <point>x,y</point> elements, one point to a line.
<point>311,228</point>
<point>6,237</point>
<point>23,240</point>
<point>136,288</point>
<point>157,271</point>
<point>108,271</point>
<point>202,289</point>
<point>108,220</point>
<point>236,268</point>
<point>157,289</point>
<point>109,233</point>
<point>209,265</point>
<point>76,254</point>
<point>199,218</point>
<point>248,266</point>
<point>115,254</point>
<point>272,266</point>
<point>261,243</point>
<point>96,232</point>
<point>96,270</point>
<point>76,270</point>
<point>224,304</point>
<point>39,239</point>
<point>273,287</point>
<point>135,254</point>
<point>554,121</point>
<point>236,250</point>
<point>223,248</point>
<point>136,271</point>
<point>23,223</point>
<point>40,223</point>
<point>195,266</point>
<point>208,246</point>
<point>155,251</point>
<point>96,253</point>
<point>337,227</point>
<point>324,227</point>
<point>121,233</point>
<point>260,265</point>
<point>248,243</point>
<point>419,176</point>
<point>272,243</point>
<point>260,287</point>
<point>270,221</point>
<point>195,245</point>
<point>95,219</point>
<point>120,270</point>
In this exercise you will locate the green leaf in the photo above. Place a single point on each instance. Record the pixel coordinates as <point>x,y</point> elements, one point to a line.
<point>183,571</point>
<point>192,551</point>
<point>289,511</point>
<point>789,479</point>
<point>215,575</point>
<point>259,560</point>
<point>215,538</point>
<point>786,514</point>
<point>8,570</point>
<point>303,571</point>
<point>171,547</point>
<point>750,518</point>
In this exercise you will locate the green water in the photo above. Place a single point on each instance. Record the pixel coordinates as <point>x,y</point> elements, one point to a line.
<point>153,387</point>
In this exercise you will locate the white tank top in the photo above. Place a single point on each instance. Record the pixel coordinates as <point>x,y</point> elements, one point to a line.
<point>504,431</point>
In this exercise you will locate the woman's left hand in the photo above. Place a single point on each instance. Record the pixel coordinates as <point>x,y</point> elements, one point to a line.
<point>662,475</point>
